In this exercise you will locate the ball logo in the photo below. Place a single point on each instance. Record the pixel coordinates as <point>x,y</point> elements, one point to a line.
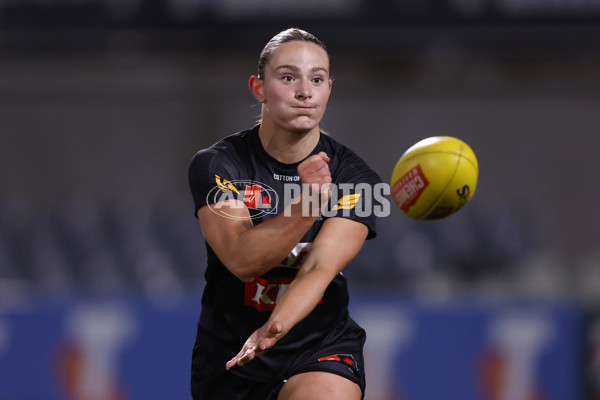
<point>256,196</point>
<point>409,188</point>
<point>464,194</point>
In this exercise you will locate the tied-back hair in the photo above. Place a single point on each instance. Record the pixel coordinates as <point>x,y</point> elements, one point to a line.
<point>286,36</point>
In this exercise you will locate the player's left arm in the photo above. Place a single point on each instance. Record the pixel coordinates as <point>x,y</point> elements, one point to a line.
<point>337,243</point>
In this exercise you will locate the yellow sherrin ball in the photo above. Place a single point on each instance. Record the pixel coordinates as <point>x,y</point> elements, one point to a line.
<point>434,178</point>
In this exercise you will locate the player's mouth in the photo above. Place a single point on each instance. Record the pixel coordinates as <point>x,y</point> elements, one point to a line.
<point>304,108</point>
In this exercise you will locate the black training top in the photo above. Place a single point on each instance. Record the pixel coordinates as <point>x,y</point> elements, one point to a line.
<point>238,167</point>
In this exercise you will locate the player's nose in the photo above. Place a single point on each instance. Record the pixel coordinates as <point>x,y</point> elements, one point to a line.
<point>303,90</point>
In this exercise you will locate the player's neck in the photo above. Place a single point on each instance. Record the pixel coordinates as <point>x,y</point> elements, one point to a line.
<point>286,146</point>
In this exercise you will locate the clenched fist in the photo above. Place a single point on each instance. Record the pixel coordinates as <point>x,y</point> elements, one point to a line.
<point>315,176</point>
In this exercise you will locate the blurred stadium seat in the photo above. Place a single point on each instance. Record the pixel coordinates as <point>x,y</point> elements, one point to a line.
<point>157,249</point>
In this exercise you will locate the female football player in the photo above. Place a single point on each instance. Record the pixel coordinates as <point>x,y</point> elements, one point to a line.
<point>274,321</point>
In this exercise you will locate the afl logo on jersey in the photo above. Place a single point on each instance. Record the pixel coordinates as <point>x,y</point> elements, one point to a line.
<point>261,199</point>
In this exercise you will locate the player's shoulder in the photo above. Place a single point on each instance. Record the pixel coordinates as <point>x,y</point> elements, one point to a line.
<point>340,150</point>
<point>344,158</point>
<point>230,148</point>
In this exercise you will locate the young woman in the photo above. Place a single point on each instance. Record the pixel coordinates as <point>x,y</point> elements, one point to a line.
<point>274,287</point>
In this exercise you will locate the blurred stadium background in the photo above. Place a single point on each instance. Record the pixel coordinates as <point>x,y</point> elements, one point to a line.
<point>103,103</point>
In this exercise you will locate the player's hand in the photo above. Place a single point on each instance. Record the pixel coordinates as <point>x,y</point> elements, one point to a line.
<point>258,343</point>
<point>315,173</point>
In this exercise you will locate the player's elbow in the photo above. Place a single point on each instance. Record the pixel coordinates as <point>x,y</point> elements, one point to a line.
<point>242,270</point>
<point>246,278</point>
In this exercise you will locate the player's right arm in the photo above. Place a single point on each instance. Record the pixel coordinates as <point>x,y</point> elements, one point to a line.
<point>249,251</point>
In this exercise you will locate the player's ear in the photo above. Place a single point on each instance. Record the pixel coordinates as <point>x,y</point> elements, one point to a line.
<point>256,87</point>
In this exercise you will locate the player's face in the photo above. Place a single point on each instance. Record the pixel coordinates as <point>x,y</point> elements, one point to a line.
<point>296,86</point>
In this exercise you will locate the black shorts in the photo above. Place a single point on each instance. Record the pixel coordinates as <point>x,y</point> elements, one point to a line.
<point>340,353</point>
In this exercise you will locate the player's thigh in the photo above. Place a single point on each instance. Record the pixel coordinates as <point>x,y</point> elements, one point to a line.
<point>317,385</point>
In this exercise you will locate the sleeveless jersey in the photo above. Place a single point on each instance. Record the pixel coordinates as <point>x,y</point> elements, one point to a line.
<point>238,167</point>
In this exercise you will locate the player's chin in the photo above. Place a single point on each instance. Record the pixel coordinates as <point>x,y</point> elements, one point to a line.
<point>303,124</point>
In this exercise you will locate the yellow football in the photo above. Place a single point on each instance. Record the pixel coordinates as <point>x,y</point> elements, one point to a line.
<point>434,178</point>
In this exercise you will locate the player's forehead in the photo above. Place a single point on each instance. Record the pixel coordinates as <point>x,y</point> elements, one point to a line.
<point>299,55</point>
